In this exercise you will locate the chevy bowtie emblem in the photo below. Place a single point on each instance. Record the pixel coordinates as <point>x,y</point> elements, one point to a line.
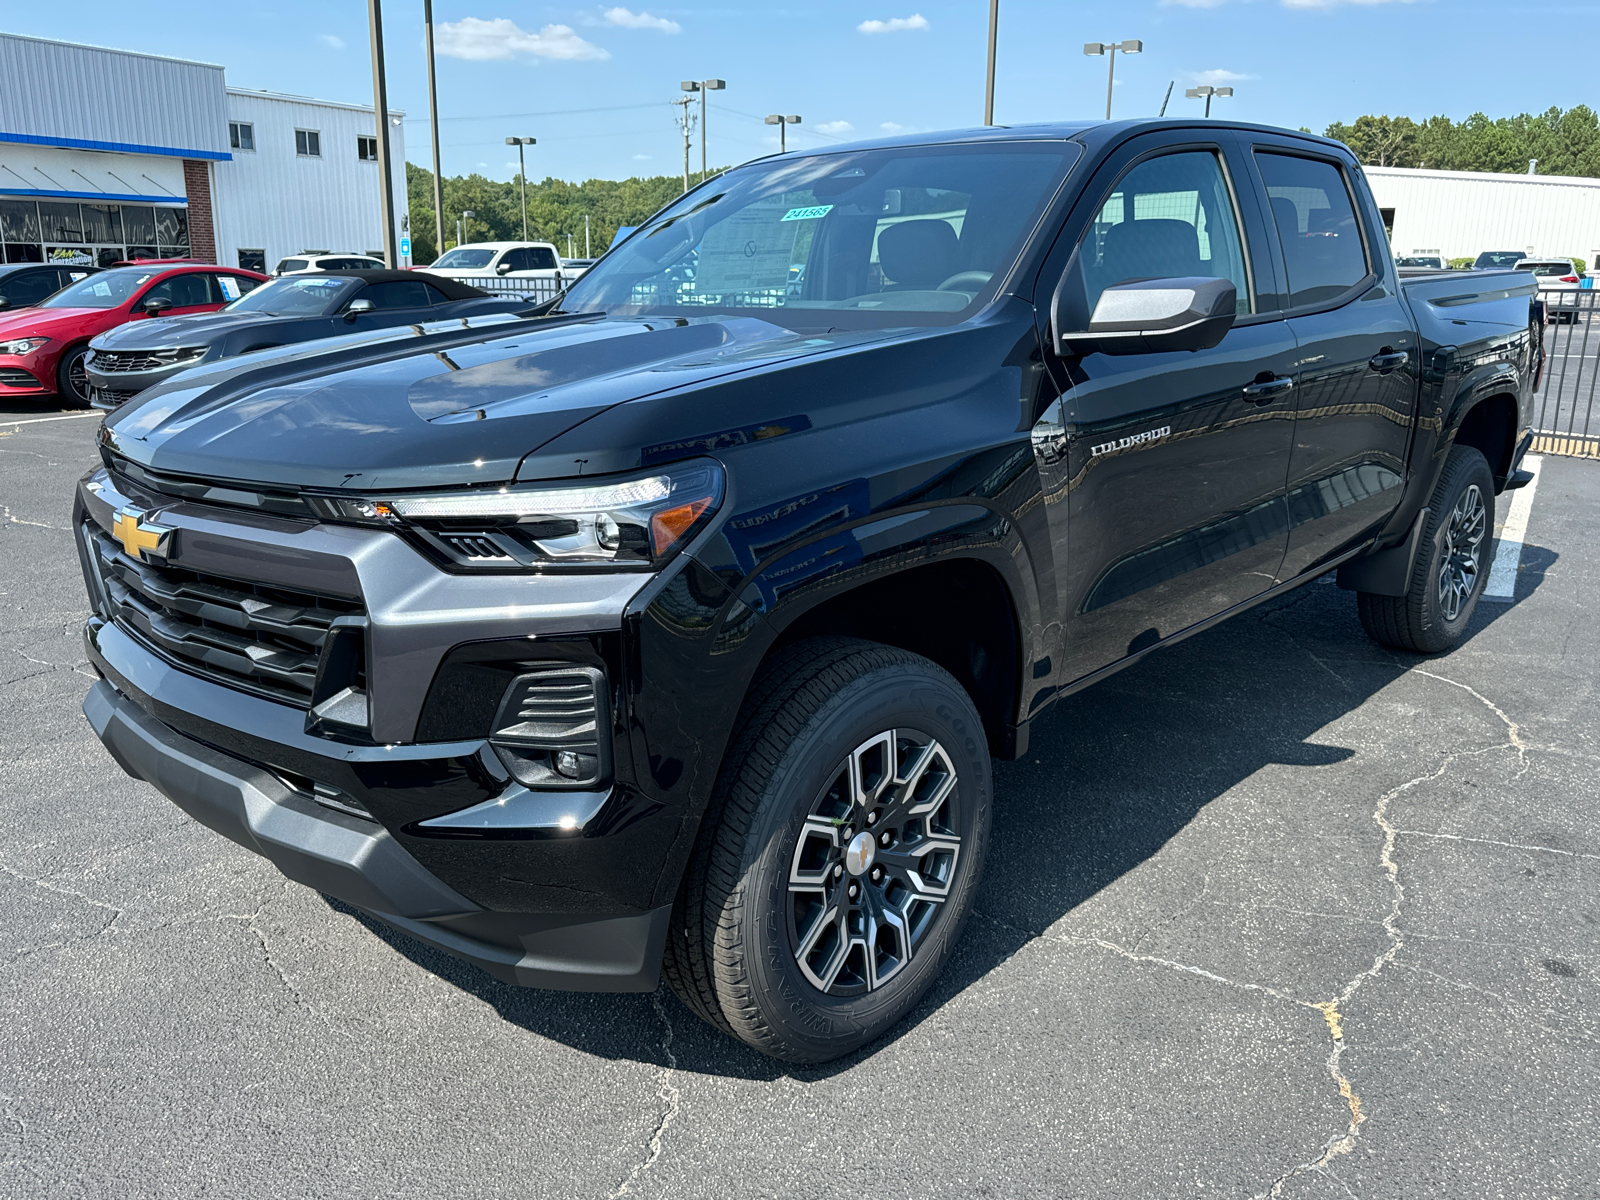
<point>139,539</point>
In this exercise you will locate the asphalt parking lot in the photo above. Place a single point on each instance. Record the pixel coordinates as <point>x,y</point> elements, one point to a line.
<point>1274,913</point>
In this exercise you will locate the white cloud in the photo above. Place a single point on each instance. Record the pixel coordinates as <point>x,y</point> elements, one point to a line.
<point>640,20</point>
<point>893,127</point>
<point>1218,75</point>
<point>480,41</point>
<point>643,157</point>
<point>835,127</point>
<point>330,41</point>
<point>895,24</point>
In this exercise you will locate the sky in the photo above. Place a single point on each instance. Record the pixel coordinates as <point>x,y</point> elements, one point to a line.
<point>595,83</point>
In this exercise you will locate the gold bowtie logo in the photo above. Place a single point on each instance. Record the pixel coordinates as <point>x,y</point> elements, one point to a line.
<point>140,540</point>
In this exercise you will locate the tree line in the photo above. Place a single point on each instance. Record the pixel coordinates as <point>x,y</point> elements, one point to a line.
<point>555,208</point>
<point>1563,142</point>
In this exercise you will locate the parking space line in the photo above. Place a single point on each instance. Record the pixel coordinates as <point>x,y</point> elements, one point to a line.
<point>42,420</point>
<point>1502,585</point>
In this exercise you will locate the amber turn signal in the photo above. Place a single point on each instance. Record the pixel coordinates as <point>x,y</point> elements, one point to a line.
<point>667,527</point>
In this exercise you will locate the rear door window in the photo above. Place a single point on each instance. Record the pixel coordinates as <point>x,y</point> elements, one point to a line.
<point>397,294</point>
<point>23,288</point>
<point>541,258</point>
<point>1317,227</point>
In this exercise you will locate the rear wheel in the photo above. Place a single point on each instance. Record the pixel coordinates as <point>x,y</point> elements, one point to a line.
<point>852,823</point>
<point>72,378</point>
<point>1452,564</point>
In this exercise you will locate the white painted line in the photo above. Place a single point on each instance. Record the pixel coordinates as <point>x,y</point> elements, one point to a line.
<point>1502,583</point>
<point>42,420</point>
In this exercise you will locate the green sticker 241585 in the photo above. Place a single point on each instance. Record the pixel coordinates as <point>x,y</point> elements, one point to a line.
<point>808,214</point>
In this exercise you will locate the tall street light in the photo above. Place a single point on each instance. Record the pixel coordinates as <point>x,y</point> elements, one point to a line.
<point>461,225</point>
<point>522,174</point>
<point>1207,91</point>
<point>782,122</point>
<point>380,110</point>
<point>1095,49</point>
<point>988,89</point>
<point>433,126</point>
<point>704,86</point>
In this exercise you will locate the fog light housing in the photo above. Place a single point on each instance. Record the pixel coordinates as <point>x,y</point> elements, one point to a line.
<point>553,728</point>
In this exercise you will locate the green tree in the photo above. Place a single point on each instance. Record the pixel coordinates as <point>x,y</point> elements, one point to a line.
<point>1563,142</point>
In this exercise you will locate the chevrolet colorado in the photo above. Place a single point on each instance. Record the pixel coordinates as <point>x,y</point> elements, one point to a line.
<point>672,628</point>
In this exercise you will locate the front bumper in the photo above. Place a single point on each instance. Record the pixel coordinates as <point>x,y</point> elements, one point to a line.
<point>112,388</point>
<point>361,863</point>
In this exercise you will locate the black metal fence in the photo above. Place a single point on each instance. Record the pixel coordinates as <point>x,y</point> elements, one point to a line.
<point>535,291</point>
<point>1564,417</point>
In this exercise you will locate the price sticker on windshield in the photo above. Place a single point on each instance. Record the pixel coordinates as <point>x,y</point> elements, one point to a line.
<point>808,214</point>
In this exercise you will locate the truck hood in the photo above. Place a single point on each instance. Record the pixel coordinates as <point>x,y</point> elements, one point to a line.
<point>428,408</point>
<point>163,333</point>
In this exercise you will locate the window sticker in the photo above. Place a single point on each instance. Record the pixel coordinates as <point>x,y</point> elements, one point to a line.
<point>230,286</point>
<point>808,214</point>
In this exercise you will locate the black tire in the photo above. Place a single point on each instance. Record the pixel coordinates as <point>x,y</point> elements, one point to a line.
<point>1448,576</point>
<point>774,839</point>
<point>72,381</point>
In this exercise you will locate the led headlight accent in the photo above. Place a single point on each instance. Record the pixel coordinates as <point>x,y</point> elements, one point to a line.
<point>551,502</point>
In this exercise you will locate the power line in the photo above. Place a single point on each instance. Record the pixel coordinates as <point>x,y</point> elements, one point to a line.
<point>561,112</point>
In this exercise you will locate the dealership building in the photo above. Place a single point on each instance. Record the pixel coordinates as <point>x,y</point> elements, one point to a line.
<point>107,155</point>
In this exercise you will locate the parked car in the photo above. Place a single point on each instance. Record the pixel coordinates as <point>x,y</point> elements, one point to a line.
<point>1557,277</point>
<point>673,632</point>
<point>293,309</point>
<point>321,260</point>
<point>22,285</point>
<point>1498,260</point>
<point>42,348</point>
<point>534,265</point>
<point>1430,261</point>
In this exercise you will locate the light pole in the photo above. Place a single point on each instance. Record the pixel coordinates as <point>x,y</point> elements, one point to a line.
<point>782,122</point>
<point>433,125</point>
<point>461,225</point>
<point>586,253</point>
<point>522,175</point>
<point>1207,91</point>
<point>1095,49</point>
<point>988,90</point>
<point>704,86</point>
<point>686,122</point>
<point>380,110</point>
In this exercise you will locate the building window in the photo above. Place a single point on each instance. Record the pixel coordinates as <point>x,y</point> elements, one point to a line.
<point>241,135</point>
<point>308,142</point>
<point>253,260</point>
<point>367,149</point>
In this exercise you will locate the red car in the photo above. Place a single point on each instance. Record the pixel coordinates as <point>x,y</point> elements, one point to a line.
<point>42,348</point>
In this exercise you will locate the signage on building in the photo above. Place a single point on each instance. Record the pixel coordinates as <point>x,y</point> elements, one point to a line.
<point>71,256</point>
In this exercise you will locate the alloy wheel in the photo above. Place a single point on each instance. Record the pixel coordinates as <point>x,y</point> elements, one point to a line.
<point>1461,562</point>
<point>78,377</point>
<point>874,863</point>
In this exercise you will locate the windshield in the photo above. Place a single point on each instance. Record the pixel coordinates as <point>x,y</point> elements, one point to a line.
<point>466,260</point>
<point>1418,261</point>
<point>1498,258</point>
<point>873,238</point>
<point>296,296</point>
<point>105,290</point>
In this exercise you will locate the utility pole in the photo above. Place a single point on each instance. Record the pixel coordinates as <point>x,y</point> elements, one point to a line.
<point>1094,49</point>
<point>782,122</point>
<point>988,91</point>
<point>380,110</point>
<point>522,176</point>
<point>686,121</point>
<point>433,125</point>
<point>704,86</point>
<point>586,253</point>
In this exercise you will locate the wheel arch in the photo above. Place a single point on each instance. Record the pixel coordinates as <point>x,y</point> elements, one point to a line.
<point>1489,425</point>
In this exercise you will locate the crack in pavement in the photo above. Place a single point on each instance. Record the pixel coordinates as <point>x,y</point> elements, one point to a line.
<point>5,511</point>
<point>1461,837</point>
<point>46,885</point>
<point>666,1092</point>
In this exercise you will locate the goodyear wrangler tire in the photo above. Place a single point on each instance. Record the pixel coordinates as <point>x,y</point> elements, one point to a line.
<point>1452,564</point>
<point>854,821</point>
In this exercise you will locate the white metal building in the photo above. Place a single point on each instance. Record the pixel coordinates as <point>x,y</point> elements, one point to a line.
<point>107,155</point>
<point>1460,214</point>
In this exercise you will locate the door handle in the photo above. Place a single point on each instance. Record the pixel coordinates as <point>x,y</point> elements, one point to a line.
<point>1265,391</point>
<point>1388,360</point>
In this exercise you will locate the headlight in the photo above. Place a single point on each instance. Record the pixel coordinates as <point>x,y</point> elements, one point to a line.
<point>633,522</point>
<point>22,345</point>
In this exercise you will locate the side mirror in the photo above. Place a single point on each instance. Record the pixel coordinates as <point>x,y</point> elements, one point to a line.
<point>503,269</point>
<point>4,304</point>
<point>155,306</point>
<point>357,307</point>
<point>1146,316</point>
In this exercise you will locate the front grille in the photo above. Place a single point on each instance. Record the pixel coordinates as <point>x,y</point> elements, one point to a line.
<point>144,360</point>
<point>16,377</point>
<point>257,637</point>
<point>112,397</point>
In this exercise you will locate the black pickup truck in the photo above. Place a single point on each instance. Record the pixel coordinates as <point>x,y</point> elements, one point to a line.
<point>672,629</point>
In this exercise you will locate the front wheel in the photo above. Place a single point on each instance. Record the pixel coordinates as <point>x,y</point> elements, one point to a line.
<point>854,821</point>
<point>72,379</point>
<point>1452,564</point>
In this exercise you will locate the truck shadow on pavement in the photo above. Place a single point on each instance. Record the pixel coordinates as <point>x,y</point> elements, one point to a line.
<point>1112,775</point>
